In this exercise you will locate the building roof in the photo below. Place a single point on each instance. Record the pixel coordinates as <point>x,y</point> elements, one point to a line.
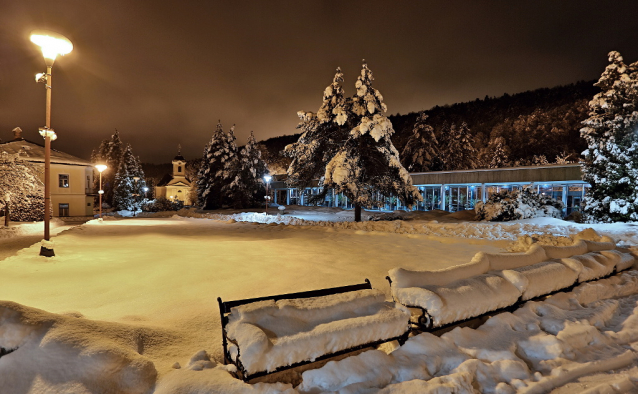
<point>546,174</point>
<point>34,152</point>
<point>179,157</point>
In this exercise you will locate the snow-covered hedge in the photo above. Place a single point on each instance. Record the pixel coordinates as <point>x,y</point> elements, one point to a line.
<point>518,204</point>
<point>162,204</point>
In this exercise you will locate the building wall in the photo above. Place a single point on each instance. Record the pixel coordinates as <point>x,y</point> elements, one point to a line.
<point>80,181</point>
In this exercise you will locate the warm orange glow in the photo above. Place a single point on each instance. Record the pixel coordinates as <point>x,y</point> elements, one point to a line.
<point>101,167</point>
<point>52,44</point>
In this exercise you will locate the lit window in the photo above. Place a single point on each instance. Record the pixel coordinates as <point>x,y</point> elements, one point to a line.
<point>64,180</point>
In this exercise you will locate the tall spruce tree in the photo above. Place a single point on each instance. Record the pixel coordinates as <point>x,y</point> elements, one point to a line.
<point>367,163</point>
<point>422,149</point>
<point>458,151</point>
<point>322,134</point>
<point>124,189</point>
<point>231,165</point>
<point>110,153</point>
<point>245,187</point>
<point>208,185</point>
<point>129,182</point>
<point>610,162</point>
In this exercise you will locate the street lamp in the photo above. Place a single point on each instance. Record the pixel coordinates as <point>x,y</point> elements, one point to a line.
<point>52,44</point>
<point>267,178</point>
<point>101,168</point>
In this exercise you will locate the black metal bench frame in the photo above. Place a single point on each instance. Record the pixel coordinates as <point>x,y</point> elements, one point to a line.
<point>225,310</point>
<point>425,323</point>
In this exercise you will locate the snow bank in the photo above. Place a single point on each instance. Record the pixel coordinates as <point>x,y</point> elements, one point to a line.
<point>561,252</point>
<point>273,334</point>
<point>55,353</point>
<point>541,279</point>
<point>539,347</point>
<point>406,278</point>
<point>461,299</point>
<point>417,223</point>
<point>503,261</point>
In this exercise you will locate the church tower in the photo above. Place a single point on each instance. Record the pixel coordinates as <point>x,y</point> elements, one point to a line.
<point>176,187</point>
<point>179,164</point>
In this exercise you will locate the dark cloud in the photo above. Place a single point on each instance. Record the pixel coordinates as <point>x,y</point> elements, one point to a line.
<point>163,72</point>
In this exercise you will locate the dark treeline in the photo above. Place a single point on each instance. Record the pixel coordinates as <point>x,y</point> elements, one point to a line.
<point>532,126</point>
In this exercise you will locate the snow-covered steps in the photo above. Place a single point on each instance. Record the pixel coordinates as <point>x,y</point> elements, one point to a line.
<point>492,281</point>
<point>269,334</point>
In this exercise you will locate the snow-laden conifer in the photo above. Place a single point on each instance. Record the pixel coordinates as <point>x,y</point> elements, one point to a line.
<point>110,153</point>
<point>367,163</point>
<point>457,150</point>
<point>20,189</point>
<point>244,185</point>
<point>610,162</point>
<point>208,187</point>
<point>124,189</point>
<point>422,148</point>
<point>321,136</point>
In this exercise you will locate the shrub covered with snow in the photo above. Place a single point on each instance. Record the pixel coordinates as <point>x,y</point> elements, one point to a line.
<point>162,204</point>
<point>518,204</point>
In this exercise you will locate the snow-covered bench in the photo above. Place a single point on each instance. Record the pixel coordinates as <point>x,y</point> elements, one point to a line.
<point>269,334</point>
<point>492,281</point>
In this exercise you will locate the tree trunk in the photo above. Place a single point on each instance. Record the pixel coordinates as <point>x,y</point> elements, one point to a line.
<point>6,215</point>
<point>357,212</point>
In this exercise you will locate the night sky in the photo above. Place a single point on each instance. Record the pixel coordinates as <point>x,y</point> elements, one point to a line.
<point>163,72</point>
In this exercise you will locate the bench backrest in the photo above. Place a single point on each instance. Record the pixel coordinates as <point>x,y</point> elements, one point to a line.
<point>226,306</point>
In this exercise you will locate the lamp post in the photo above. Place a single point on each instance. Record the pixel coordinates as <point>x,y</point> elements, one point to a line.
<point>267,178</point>
<point>101,168</point>
<point>135,195</point>
<point>52,44</point>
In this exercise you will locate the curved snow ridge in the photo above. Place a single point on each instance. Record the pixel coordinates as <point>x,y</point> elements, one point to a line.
<point>91,356</point>
<point>539,347</point>
<point>475,230</point>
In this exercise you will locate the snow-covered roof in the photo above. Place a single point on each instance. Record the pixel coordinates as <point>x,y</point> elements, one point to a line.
<point>34,152</point>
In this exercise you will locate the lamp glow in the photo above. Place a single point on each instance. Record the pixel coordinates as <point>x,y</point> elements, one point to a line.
<point>52,44</point>
<point>267,178</point>
<point>101,167</point>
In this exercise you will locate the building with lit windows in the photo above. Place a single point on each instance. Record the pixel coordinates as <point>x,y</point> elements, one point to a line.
<point>459,190</point>
<point>71,178</point>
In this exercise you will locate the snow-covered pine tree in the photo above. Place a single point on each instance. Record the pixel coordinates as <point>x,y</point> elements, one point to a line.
<point>422,149</point>
<point>231,168</point>
<point>457,150</point>
<point>208,187</point>
<point>367,162</point>
<point>127,191</point>
<point>496,154</point>
<point>110,153</point>
<point>610,163</point>
<point>243,185</point>
<point>253,171</point>
<point>20,188</point>
<point>322,134</point>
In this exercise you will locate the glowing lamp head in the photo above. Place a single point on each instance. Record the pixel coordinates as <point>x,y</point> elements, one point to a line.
<point>101,167</point>
<point>267,178</point>
<point>52,44</point>
<point>145,189</point>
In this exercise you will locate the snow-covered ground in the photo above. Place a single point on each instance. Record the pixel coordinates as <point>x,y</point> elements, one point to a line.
<point>128,305</point>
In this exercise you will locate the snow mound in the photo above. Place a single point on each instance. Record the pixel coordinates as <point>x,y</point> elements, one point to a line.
<point>539,347</point>
<point>271,334</point>
<point>80,355</point>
